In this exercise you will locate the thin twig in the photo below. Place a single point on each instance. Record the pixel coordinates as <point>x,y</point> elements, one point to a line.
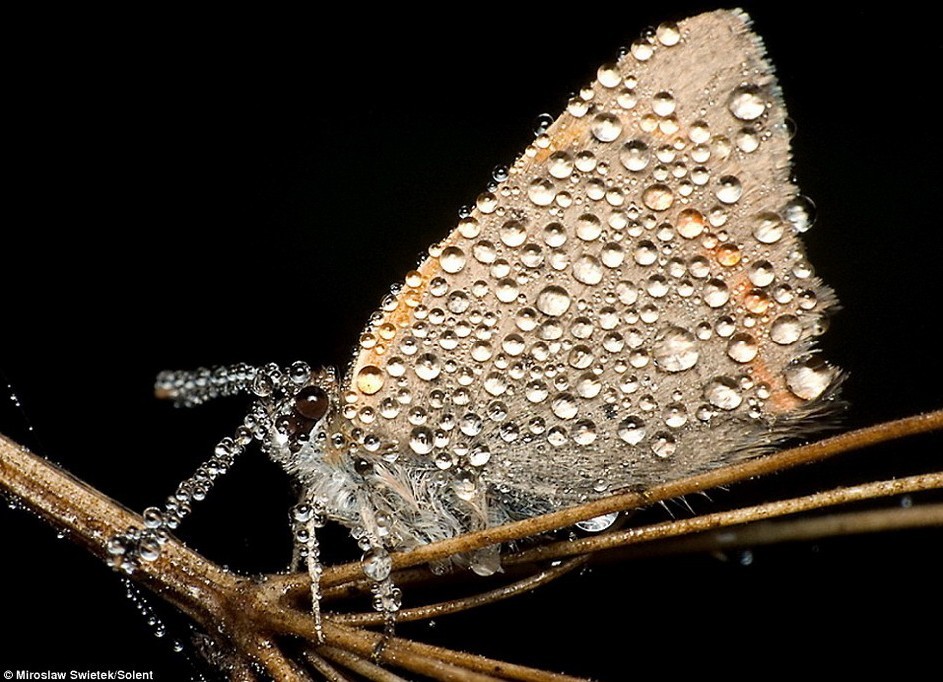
<point>330,673</point>
<point>465,603</point>
<point>359,665</point>
<point>733,517</point>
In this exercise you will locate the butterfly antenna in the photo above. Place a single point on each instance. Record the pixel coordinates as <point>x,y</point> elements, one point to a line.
<point>195,387</point>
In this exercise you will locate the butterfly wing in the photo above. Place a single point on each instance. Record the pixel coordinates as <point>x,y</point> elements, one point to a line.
<point>630,305</point>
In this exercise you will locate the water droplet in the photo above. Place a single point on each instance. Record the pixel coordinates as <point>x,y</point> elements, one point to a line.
<point>427,367</point>
<point>598,524</point>
<point>668,33</point>
<point>588,386</point>
<point>609,75</point>
<point>369,379</point>
<point>631,430</point>
<point>606,127</point>
<point>560,165</point>
<point>768,228</point>
<point>800,213</point>
<point>588,227</point>
<point>728,255</point>
<point>153,518</point>
<point>376,564</point>
<point>809,378</point>
<point>675,350</point>
<point>421,440</point>
<point>747,102</point>
<point>663,104</point>
<point>716,293</point>
<point>729,189</point>
<point>588,270</point>
<point>658,197</point>
<point>541,192</point>
<point>564,406</point>
<point>452,259</point>
<point>761,273</point>
<point>786,329</point>
<point>627,99</point>
<point>723,393</point>
<point>149,549</point>
<point>543,122</point>
<point>664,444</point>
<point>584,433</point>
<point>479,456</point>
<point>690,223</point>
<point>641,50</point>
<point>484,252</point>
<point>742,347</point>
<point>634,155</point>
<point>513,233</point>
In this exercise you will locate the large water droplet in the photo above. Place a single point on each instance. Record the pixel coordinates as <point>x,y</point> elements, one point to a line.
<point>541,192</point>
<point>729,189</point>
<point>553,301</point>
<point>786,329</point>
<point>742,347</point>
<point>608,75</point>
<point>634,155</point>
<point>664,444</point>
<point>513,233</point>
<point>690,223</point>
<point>560,165</point>
<point>768,227</point>
<point>663,104</point>
<point>564,406</point>
<point>723,393</point>
<point>369,379</point>
<point>747,102</point>
<point>606,127</point>
<point>809,378</point>
<point>675,350</point>
<point>421,440</point>
<point>632,430</point>
<point>588,227</point>
<point>658,197</point>
<point>588,270</point>
<point>800,213</point>
<point>377,564</point>
<point>427,367</point>
<point>668,33</point>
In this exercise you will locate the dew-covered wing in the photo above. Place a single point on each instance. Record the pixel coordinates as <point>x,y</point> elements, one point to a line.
<point>631,304</point>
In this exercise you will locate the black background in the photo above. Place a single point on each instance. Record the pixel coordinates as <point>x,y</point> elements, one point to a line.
<point>191,190</point>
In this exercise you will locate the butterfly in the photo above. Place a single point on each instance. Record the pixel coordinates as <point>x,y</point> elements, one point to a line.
<point>628,303</point>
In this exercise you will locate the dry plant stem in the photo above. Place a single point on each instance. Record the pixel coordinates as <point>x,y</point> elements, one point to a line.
<point>276,664</point>
<point>777,532</point>
<point>779,461</point>
<point>463,604</point>
<point>432,661</point>
<point>359,665</point>
<point>330,673</point>
<point>733,517</point>
<point>214,597</point>
<point>199,588</point>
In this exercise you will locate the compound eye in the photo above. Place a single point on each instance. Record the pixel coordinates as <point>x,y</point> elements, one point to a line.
<point>312,402</point>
